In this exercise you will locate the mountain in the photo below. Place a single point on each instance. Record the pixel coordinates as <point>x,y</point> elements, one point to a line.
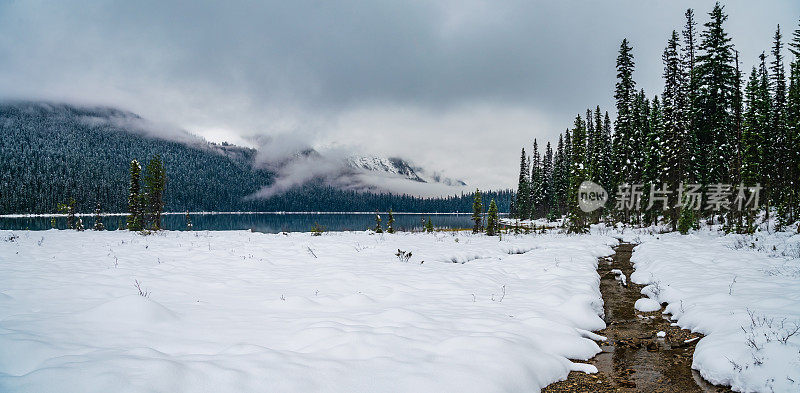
<point>399,167</point>
<point>52,152</point>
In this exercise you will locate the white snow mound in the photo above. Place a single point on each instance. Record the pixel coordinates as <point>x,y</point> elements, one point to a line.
<point>646,304</point>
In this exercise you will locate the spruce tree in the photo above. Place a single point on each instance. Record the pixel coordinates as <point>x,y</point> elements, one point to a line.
<point>689,60</point>
<point>429,226</point>
<point>155,183</point>
<point>559,177</point>
<point>778,127</point>
<point>653,160</point>
<point>597,148</point>
<point>793,124</point>
<point>577,218</point>
<point>767,137</point>
<point>753,134</point>
<point>535,199</point>
<point>477,212</point>
<point>378,228</point>
<point>734,215</point>
<point>547,180</point>
<point>607,172</point>
<point>189,225</point>
<point>590,149</point>
<point>68,208</point>
<point>675,148</point>
<point>625,95</point>
<point>492,223</point>
<point>390,222</point>
<point>98,219</point>
<point>716,80</point>
<point>522,203</point>
<point>135,219</point>
<point>566,172</point>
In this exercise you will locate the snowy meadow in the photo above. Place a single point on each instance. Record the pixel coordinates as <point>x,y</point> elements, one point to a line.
<point>345,311</point>
<point>741,291</point>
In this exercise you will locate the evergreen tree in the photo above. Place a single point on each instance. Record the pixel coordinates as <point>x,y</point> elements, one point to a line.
<point>378,228</point>
<point>559,178</point>
<point>98,219</point>
<point>753,133</point>
<point>429,226</point>
<point>135,219</point>
<point>767,137</point>
<point>675,147</point>
<point>793,124</point>
<point>577,218</point>
<point>653,160</point>
<point>155,182</point>
<point>606,176</point>
<point>566,173</point>
<point>477,212</point>
<point>390,222</point>
<point>590,149</point>
<point>536,183</point>
<point>547,180</point>
<point>189,225</point>
<point>716,78</point>
<point>492,223</point>
<point>522,202</point>
<point>597,148</point>
<point>689,60</point>
<point>781,139</point>
<point>625,133</point>
<point>68,208</point>
<point>734,215</point>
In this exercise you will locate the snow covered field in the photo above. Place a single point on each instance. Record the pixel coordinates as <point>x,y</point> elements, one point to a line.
<point>742,292</point>
<point>241,311</point>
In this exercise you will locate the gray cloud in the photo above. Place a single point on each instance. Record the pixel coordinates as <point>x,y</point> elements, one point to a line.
<point>452,85</point>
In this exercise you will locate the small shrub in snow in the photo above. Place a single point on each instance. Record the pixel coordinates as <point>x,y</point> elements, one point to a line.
<point>687,220</point>
<point>403,256</point>
<point>501,296</point>
<point>142,292</point>
<point>317,230</point>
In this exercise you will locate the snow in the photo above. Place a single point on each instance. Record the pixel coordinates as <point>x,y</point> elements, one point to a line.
<point>741,292</point>
<point>620,276</point>
<point>661,334</point>
<point>646,305</point>
<point>242,311</point>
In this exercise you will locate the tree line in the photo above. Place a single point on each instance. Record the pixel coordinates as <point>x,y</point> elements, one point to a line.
<point>708,129</point>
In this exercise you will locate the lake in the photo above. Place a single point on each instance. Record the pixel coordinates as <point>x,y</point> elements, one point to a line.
<point>258,222</point>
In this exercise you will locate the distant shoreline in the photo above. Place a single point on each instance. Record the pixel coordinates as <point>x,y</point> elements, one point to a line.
<point>34,215</point>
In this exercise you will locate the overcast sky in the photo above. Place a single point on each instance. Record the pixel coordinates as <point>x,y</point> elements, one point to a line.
<point>454,85</point>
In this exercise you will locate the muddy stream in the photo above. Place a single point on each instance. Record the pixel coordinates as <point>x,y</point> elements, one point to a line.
<point>634,357</point>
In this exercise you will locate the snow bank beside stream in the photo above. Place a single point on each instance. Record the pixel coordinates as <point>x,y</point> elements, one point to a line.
<point>241,311</point>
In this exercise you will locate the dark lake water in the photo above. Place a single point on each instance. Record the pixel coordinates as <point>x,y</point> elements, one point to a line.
<point>259,222</point>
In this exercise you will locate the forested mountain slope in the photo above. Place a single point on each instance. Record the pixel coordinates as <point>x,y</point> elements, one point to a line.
<point>52,152</point>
